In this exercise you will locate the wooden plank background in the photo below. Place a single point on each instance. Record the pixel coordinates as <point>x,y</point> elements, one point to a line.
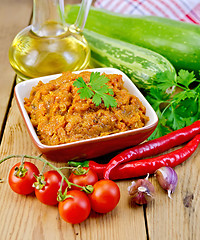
<point>14,16</point>
<point>25,218</point>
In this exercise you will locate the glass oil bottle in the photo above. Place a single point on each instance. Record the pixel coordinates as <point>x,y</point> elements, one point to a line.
<point>49,45</point>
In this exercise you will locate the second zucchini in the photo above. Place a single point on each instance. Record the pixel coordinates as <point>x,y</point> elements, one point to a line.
<point>140,64</point>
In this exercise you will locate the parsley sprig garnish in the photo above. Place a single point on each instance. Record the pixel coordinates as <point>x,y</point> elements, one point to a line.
<point>175,109</point>
<point>96,89</point>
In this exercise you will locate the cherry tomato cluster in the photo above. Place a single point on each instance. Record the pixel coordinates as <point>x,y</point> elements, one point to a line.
<point>74,204</point>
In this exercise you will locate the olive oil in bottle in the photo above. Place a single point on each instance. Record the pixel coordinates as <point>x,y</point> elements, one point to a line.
<point>49,45</point>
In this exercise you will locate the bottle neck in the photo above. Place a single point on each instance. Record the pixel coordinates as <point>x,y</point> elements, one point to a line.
<point>48,18</point>
<point>83,13</point>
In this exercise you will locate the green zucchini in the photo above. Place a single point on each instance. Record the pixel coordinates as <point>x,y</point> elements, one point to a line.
<point>178,41</point>
<point>140,64</point>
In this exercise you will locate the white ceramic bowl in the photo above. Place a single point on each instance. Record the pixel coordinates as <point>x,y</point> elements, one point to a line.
<point>90,148</point>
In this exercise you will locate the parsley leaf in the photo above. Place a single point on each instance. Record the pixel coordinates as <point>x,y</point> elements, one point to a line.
<point>184,95</point>
<point>96,89</point>
<point>108,100</point>
<point>174,120</point>
<point>157,97</point>
<point>97,80</point>
<point>178,108</point>
<point>185,78</point>
<point>165,80</point>
<point>79,83</point>
<point>188,108</point>
<point>160,131</point>
<point>84,90</point>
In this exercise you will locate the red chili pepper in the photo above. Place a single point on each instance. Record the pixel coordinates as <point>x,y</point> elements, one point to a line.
<point>154,147</point>
<point>142,167</point>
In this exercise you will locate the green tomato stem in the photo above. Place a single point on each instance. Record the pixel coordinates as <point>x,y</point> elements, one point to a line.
<point>41,173</point>
<point>22,162</point>
<point>50,165</point>
<point>76,164</point>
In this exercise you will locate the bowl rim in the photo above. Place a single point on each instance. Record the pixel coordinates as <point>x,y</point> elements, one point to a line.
<point>32,132</point>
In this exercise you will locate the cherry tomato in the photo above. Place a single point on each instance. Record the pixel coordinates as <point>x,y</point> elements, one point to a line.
<point>76,208</point>
<point>23,185</point>
<point>105,196</point>
<point>48,194</point>
<point>90,178</point>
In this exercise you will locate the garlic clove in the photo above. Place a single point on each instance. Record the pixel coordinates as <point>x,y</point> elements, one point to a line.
<point>167,179</point>
<point>141,191</point>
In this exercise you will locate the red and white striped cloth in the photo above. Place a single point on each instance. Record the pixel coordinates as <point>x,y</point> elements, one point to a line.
<point>183,10</point>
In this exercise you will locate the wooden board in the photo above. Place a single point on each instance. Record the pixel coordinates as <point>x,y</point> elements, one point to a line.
<point>179,217</point>
<point>26,218</point>
<point>14,16</point>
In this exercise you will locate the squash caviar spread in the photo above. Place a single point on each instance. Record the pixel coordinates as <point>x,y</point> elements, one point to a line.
<point>60,116</point>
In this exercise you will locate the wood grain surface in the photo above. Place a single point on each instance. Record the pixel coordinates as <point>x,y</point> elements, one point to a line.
<point>25,218</point>
<point>178,218</point>
<point>14,16</point>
